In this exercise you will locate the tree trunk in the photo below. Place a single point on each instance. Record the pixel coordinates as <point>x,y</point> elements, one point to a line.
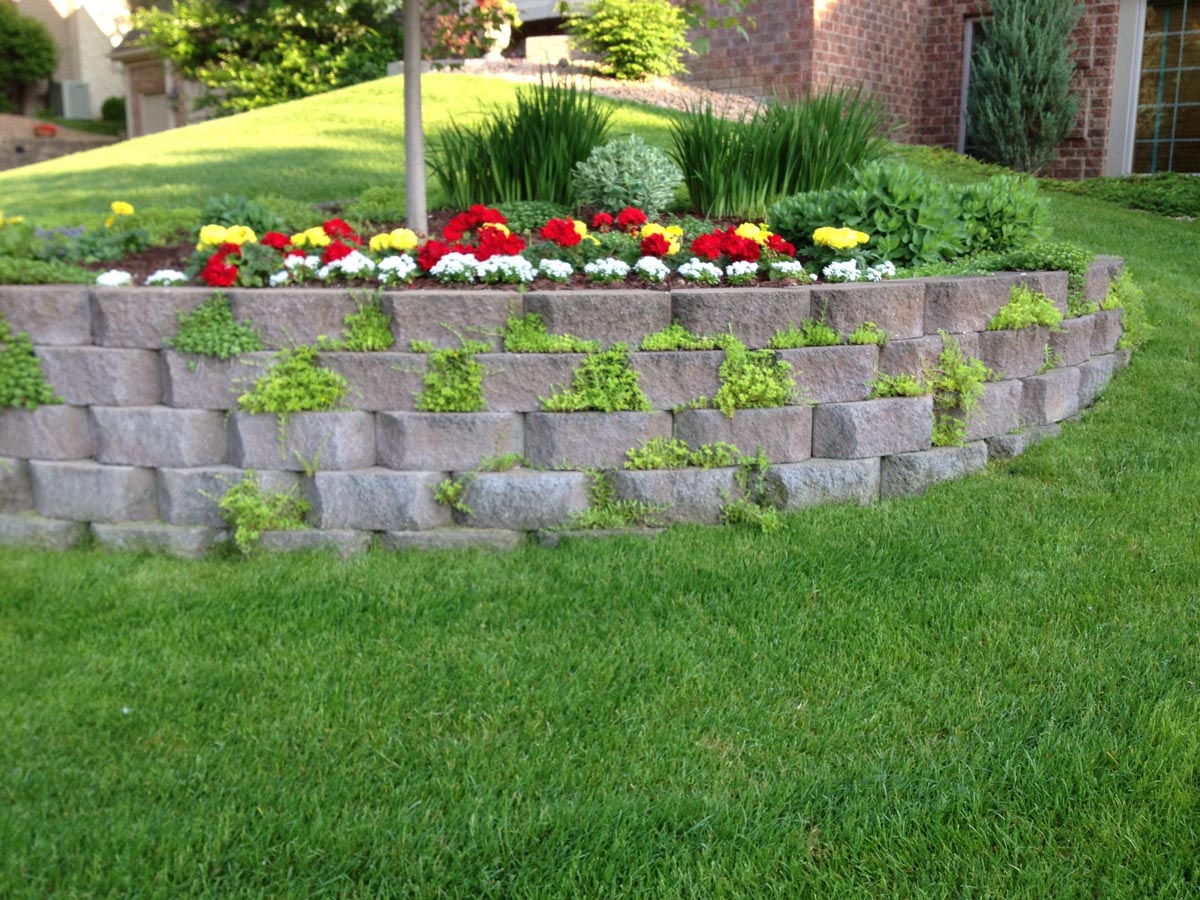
<point>416,213</point>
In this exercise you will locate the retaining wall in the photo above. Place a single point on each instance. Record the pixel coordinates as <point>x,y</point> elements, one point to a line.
<point>148,438</point>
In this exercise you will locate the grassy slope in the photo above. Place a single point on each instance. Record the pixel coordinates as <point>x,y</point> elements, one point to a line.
<point>990,691</point>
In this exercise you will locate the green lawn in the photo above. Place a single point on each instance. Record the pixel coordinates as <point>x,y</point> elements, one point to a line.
<point>992,691</point>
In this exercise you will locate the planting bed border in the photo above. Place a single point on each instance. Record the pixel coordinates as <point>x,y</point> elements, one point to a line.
<point>146,440</point>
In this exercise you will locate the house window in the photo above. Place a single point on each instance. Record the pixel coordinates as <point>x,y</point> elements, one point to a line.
<point>1167,134</point>
<point>972,41</point>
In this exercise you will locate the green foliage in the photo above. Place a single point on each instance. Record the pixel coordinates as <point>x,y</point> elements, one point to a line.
<point>113,110</point>
<point>676,337</point>
<point>451,492</point>
<point>210,330</point>
<point>1165,193</point>
<point>21,381</point>
<point>739,167</point>
<point>957,384</point>
<point>1125,294</point>
<point>295,383</point>
<point>605,510</point>
<point>27,54</point>
<point>524,153</point>
<point>1003,212</point>
<point>368,329</point>
<point>251,511</point>
<point>454,379</point>
<point>527,334</point>
<point>525,216</point>
<point>378,204</point>
<point>1050,360</point>
<point>753,379</point>
<point>659,453</point>
<point>868,333</point>
<point>634,39</point>
<point>604,382</point>
<point>810,333</point>
<point>1026,308</point>
<point>234,209</point>
<point>15,270</point>
<point>752,504</point>
<point>716,455</point>
<point>107,243</point>
<point>1046,256</point>
<point>627,172</point>
<point>1020,106</point>
<point>902,385</point>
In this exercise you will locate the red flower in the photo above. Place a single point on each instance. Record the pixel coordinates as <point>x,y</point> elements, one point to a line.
<point>631,218</point>
<point>602,221</point>
<point>217,272</point>
<point>225,250</point>
<point>334,251</point>
<point>428,256</point>
<point>655,245</point>
<point>707,246</point>
<point>561,232</point>
<point>776,244</point>
<point>494,242</point>
<point>336,228</point>
<point>275,241</point>
<point>740,249</point>
<point>478,215</point>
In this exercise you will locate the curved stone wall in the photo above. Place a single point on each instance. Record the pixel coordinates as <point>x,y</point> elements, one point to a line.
<point>148,438</point>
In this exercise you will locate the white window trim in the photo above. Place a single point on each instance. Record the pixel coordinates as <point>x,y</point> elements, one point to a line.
<point>1122,127</point>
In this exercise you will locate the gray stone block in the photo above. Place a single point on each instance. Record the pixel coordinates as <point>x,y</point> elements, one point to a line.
<point>1074,343</point>
<point>35,532</point>
<point>97,376</point>
<point>1052,284</point>
<point>998,411</point>
<point>154,436</point>
<point>344,542</point>
<point>833,374</point>
<point>1107,331</point>
<point>517,382</point>
<point>154,537</point>
<point>784,433</point>
<point>555,538</point>
<point>753,314</point>
<point>303,441</point>
<point>1094,377</point>
<point>445,317</point>
<point>56,314</point>
<point>1051,397</point>
<point>820,481</point>
<point>584,440</point>
<point>911,357</point>
<point>16,488</point>
<point>429,442</point>
<point>376,500</point>
<point>191,381</point>
<point>380,381</point>
<point>872,427</point>
<point>453,539</point>
<point>524,499</point>
<point>48,432</point>
<point>1006,446</point>
<point>286,317</point>
<point>965,304</point>
<point>675,378</point>
<point>913,473</point>
<point>602,315</point>
<point>898,307</point>
<point>1123,358</point>
<point>1014,353</point>
<point>687,495</point>
<point>141,317</point>
<point>190,496</point>
<point>90,492</point>
<point>1101,273</point>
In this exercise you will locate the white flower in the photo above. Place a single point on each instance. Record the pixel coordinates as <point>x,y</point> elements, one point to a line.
<point>114,278</point>
<point>652,268</point>
<point>881,271</point>
<point>556,269</point>
<point>455,267</point>
<point>166,278</point>
<point>353,264</point>
<point>303,262</point>
<point>280,278</point>
<point>396,269</point>
<point>842,270</point>
<point>700,271</point>
<point>607,269</point>
<point>742,272</point>
<point>505,270</point>
<point>789,268</point>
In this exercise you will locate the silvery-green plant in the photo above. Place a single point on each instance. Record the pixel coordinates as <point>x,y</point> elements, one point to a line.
<point>627,172</point>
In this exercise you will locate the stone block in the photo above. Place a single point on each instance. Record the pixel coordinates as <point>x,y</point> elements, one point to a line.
<point>911,357</point>
<point>302,441</point>
<point>453,539</point>
<point>582,440</point>
<point>524,499</point>
<point>1014,353</point>
<point>1006,446</point>
<point>191,381</point>
<point>56,314</point>
<point>190,496</point>
<point>48,432</point>
<point>834,374</point>
<point>872,427</point>
<point>1102,271</point>
<point>602,315</point>
<point>998,411</point>
<point>517,382</point>
<point>1094,377</point>
<point>344,542</point>
<point>444,317</point>
<point>90,492</point>
<point>686,495</point>
<point>16,488</point>
<point>912,473</point>
<point>674,378</point>
<point>189,542</point>
<point>1123,358</point>
<point>753,314</point>
<point>376,500</point>
<point>141,318</point>
<point>815,482</point>
<point>784,433</point>
<point>898,307</point>
<point>1052,284</point>
<point>286,317</point>
<point>153,436</point>
<point>380,380</point>
<point>1074,343</point>
<point>555,538</point>
<point>445,441</point>
<point>97,376</point>
<point>35,532</point>
<point>1051,397</point>
<point>1106,332</point>
<point>961,305</point>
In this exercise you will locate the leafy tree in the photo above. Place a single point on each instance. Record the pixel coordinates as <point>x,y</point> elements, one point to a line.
<point>635,39</point>
<point>1020,107</point>
<point>27,55</point>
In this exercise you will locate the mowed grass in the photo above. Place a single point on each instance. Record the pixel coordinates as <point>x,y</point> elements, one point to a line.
<point>991,691</point>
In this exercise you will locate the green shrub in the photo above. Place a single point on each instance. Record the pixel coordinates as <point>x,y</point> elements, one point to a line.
<point>21,381</point>
<point>753,379</point>
<point>251,511</point>
<point>113,110</point>
<point>378,204</point>
<point>809,333</point>
<point>1047,256</point>
<point>1026,308</point>
<point>634,39</point>
<point>1164,193</point>
<point>28,54</point>
<point>1126,295</point>
<point>676,337</point>
<point>14,270</point>
<point>902,385</point>
<point>627,172</point>
<point>957,384</point>
<point>525,216</point>
<point>605,382</point>
<point>368,328</point>
<point>659,453</point>
<point>527,334</point>
<point>1001,213</point>
<point>210,330</point>
<point>868,333</point>
<point>454,380</point>
<point>234,209</point>
<point>295,383</point>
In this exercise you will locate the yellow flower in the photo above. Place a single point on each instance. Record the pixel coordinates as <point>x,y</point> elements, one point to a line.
<point>11,220</point>
<point>673,234</point>
<point>212,236</point>
<point>758,233</point>
<point>580,228</point>
<point>240,234</point>
<point>380,242</point>
<point>503,229</point>
<point>839,238</point>
<point>312,237</point>
<point>403,239</point>
<point>121,208</point>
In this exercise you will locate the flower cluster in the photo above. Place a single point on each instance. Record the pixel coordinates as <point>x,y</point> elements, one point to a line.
<point>839,238</point>
<point>744,243</point>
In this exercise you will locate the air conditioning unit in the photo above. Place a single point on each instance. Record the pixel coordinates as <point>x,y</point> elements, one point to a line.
<point>71,99</point>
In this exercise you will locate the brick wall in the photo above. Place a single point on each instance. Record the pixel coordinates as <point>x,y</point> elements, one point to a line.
<point>777,58</point>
